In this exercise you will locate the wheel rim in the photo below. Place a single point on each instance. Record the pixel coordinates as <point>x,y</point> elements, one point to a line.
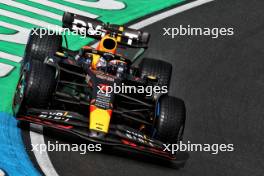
<point>180,135</point>
<point>19,93</point>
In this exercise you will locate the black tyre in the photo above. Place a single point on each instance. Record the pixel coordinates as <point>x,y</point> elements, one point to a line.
<point>35,87</point>
<point>156,68</point>
<point>67,20</point>
<point>170,119</point>
<point>145,37</point>
<point>23,125</point>
<point>40,46</point>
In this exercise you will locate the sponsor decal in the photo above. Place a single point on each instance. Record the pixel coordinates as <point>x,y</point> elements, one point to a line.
<point>63,116</point>
<point>92,30</point>
<point>139,138</point>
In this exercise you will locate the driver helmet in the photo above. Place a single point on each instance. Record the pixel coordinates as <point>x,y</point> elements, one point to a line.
<point>107,44</point>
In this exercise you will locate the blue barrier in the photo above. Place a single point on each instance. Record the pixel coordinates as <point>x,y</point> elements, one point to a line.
<point>13,156</point>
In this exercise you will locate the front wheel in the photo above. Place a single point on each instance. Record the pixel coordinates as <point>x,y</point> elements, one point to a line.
<point>170,119</point>
<point>40,45</point>
<point>35,87</point>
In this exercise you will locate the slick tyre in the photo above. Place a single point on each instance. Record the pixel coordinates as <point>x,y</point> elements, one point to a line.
<point>40,45</point>
<point>170,119</point>
<point>35,87</point>
<point>152,68</point>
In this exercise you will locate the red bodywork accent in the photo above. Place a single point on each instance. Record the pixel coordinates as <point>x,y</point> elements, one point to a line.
<point>44,122</point>
<point>150,149</point>
<point>129,143</point>
<point>92,108</point>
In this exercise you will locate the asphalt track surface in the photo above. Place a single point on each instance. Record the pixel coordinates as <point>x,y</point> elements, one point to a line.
<point>222,83</point>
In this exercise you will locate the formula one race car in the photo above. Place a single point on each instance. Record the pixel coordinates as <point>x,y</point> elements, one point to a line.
<point>72,91</point>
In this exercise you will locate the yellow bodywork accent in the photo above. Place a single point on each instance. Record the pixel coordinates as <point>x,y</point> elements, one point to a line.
<point>60,54</point>
<point>95,60</point>
<point>99,120</point>
<point>118,39</point>
<point>101,47</point>
<point>121,28</point>
<point>152,77</point>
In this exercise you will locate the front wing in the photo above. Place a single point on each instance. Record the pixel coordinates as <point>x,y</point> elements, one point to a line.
<point>119,135</point>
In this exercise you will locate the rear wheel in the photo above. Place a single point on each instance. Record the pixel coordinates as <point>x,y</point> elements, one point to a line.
<point>170,119</point>
<point>35,87</point>
<point>41,45</point>
<point>156,69</point>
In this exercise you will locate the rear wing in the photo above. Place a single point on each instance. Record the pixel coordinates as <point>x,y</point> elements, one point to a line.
<point>97,29</point>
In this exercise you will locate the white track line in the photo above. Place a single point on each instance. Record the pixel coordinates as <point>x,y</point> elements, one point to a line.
<point>64,8</point>
<point>10,57</point>
<point>169,13</point>
<point>19,37</point>
<point>101,4</point>
<point>5,69</point>
<point>28,19</point>
<point>45,163</point>
<point>42,158</point>
<point>31,9</point>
